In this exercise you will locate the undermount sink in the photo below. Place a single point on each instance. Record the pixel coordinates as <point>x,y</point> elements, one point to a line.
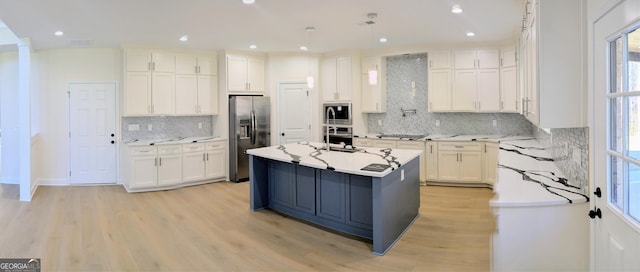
<point>343,149</point>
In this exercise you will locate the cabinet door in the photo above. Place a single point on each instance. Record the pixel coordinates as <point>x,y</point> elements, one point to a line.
<point>360,202</point>
<point>463,97</point>
<point>470,166</point>
<point>305,190</point>
<point>193,166</point>
<point>439,91</point>
<point>329,83</point>
<point>138,61</point>
<point>490,163</point>
<point>373,96</point>
<point>163,62</point>
<point>207,65</point>
<point>169,169</point>
<point>488,59</point>
<point>186,94</point>
<point>508,57</point>
<point>488,90</point>
<point>207,95</point>
<point>509,90</point>
<point>237,76</point>
<point>464,59</point>
<point>138,93</point>
<point>256,74</point>
<point>358,142</point>
<point>186,64</point>
<point>331,195</point>
<point>344,83</point>
<point>281,183</point>
<point>143,171</point>
<point>215,163</point>
<point>431,161</point>
<point>448,165</point>
<point>163,93</point>
<point>439,59</point>
<point>383,143</point>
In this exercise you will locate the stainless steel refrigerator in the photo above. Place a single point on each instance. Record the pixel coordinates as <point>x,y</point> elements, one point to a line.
<point>248,128</point>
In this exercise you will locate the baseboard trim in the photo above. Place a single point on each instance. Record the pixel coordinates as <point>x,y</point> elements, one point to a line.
<point>9,180</point>
<point>54,182</point>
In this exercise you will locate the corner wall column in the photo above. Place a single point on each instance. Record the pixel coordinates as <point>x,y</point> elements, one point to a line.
<point>24,117</point>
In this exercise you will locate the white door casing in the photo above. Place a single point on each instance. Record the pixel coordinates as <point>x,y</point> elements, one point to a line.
<point>92,133</point>
<point>615,237</point>
<point>294,113</point>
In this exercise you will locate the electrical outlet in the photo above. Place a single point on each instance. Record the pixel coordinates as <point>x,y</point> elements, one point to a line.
<point>134,127</point>
<point>200,125</point>
<point>576,154</point>
<point>379,122</point>
<point>402,175</point>
<point>495,123</point>
<point>149,127</point>
<point>437,123</point>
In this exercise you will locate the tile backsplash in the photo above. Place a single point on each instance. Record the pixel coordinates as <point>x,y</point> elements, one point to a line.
<point>569,149</point>
<point>166,127</point>
<point>406,71</point>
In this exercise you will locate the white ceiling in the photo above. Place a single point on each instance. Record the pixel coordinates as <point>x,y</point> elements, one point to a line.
<point>272,25</point>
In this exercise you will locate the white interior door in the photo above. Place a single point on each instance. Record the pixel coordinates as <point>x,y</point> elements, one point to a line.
<point>615,138</point>
<point>294,113</point>
<point>92,135</point>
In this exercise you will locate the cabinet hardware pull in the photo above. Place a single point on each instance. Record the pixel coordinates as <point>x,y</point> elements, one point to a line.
<point>155,162</point>
<point>207,156</point>
<point>203,157</point>
<point>460,157</point>
<point>431,147</point>
<point>154,65</point>
<point>501,105</point>
<point>160,161</point>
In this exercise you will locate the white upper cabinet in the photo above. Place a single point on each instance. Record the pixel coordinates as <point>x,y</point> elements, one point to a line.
<point>477,59</point>
<point>554,73</point>
<point>508,57</point>
<point>509,100</point>
<point>337,78</point>
<point>439,59</point>
<point>196,85</point>
<point>464,59</point>
<point>476,81</point>
<point>374,94</point>
<point>149,82</point>
<point>245,73</point>
<point>488,59</point>
<point>488,90</point>
<point>464,97</point>
<point>439,90</point>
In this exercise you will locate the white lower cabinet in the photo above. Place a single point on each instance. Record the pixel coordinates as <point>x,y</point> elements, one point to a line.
<point>383,143</point>
<point>490,162</point>
<point>193,162</point>
<point>431,161</point>
<point>460,162</point>
<point>415,145</point>
<point>168,166</point>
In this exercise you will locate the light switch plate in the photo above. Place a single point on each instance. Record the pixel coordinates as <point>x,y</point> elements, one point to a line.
<point>133,127</point>
<point>437,123</point>
<point>576,154</point>
<point>379,122</point>
<point>199,124</point>
<point>149,127</point>
<point>495,123</point>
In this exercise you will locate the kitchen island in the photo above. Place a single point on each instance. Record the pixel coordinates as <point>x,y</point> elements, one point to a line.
<point>334,189</point>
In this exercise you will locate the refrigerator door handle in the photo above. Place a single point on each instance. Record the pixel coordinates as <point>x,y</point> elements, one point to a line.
<point>253,127</point>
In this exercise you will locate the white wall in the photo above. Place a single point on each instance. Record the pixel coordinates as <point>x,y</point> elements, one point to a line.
<point>283,68</point>
<point>9,122</point>
<point>56,69</point>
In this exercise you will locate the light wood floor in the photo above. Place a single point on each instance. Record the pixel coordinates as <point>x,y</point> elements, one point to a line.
<point>210,228</point>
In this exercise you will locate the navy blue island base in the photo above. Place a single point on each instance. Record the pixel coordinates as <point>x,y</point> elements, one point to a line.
<point>377,208</point>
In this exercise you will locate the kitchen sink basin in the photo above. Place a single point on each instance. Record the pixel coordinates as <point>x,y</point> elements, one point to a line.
<point>343,149</point>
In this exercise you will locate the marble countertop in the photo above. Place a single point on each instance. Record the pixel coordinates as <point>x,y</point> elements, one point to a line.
<point>314,155</point>
<point>527,176</point>
<point>174,141</point>
<point>451,137</point>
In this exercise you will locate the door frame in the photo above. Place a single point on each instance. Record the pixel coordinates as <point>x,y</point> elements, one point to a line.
<point>310,113</point>
<point>116,112</point>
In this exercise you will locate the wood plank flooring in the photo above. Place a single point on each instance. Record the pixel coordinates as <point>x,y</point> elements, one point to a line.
<point>210,228</point>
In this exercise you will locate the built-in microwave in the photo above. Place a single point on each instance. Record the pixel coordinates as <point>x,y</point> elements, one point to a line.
<point>337,113</point>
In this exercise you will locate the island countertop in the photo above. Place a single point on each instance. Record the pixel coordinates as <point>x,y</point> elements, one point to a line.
<point>315,155</point>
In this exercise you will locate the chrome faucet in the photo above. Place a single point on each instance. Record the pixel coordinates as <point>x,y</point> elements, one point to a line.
<point>330,109</point>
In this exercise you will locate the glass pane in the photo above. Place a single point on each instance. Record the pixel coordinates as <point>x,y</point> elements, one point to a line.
<point>616,181</point>
<point>634,191</point>
<point>616,135</point>
<point>616,66</point>
<point>633,125</point>
<point>634,60</point>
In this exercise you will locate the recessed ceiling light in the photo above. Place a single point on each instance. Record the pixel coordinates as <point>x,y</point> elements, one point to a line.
<point>383,40</point>
<point>248,2</point>
<point>253,46</point>
<point>58,33</point>
<point>184,38</point>
<point>471,34</point>
<point>456,9</point>
<point>303,48</point>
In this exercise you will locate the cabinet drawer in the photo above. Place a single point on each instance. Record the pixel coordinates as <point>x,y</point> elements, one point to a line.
<point>142,150</point>
<point>410,145</point>
<point>192,147</point>
<point>460,146</point>
<point>214,145</point>
<point>383,143</point>
<point>169,149</point>
<point>361,142</point>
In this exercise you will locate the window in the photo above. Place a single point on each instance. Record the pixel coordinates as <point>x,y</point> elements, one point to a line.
<point>624,124</point>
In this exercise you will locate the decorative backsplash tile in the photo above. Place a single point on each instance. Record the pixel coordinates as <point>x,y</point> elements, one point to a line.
<point>406,71</point>
<point>569,148</point>
<point>166,127</point>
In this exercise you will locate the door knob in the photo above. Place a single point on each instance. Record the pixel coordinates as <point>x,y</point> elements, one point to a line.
<point>282,134</point>
<point>112,135</point>
<point>598,192</point>
<point>595,213</point>
<point>113,142</point>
